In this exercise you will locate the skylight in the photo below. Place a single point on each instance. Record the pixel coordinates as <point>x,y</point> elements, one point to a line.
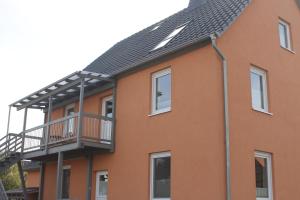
<point>156,27</point>
<point>170,37</point>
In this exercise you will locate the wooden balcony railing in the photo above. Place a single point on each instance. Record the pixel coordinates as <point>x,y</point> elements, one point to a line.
<point>95,128</point>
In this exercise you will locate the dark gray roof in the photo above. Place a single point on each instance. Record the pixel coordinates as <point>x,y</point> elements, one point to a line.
<point>205,17</point>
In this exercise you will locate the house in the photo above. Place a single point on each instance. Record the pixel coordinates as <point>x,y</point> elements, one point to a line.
<point>201,105</point>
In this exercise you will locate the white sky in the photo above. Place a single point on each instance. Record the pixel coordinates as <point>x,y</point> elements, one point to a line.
<point>42,41</point>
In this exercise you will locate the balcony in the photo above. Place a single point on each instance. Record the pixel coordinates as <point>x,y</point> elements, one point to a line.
<point>75,131</point>
<point>64,133</point>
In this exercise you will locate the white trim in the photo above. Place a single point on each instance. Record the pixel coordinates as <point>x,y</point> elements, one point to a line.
<point>268,157</point>
<point>67,167</point>
<point>288,32</point>
<point>98,174</point>
<point>263,74</point>
<point>152,157</point>
<point>156,75</point>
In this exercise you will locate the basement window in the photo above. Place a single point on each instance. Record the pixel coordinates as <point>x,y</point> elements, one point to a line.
<point>285,35</point>
<point>161,176</point>
<point>263,174</point>
<point>101,185</point>
<point>66,182</point>
<point>170,37</point>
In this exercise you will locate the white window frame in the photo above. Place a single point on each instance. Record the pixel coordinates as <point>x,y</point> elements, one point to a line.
<point>288,32</point>
<point>98,174</point>
<point>263,74</point>
<point>154,156</point>
<point>268,157</point>
<point>64,168</point>
<point>155,76</point>
<point>106,126</point>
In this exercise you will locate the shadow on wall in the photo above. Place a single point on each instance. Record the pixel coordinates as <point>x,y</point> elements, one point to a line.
<point>298,2</point>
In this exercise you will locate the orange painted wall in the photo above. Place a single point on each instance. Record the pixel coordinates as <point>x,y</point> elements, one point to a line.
<point>193,131</point>
<point>33,178</point>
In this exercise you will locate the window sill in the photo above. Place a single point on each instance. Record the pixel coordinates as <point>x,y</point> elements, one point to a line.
<point>289,50</point>
<point>159,112</point>
<point>262,111</point>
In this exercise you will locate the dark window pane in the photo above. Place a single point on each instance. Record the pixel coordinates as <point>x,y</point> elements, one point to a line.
<point>163,92</point>
<point>261,169</point>
<point>66,183</point>
<point>108,108</point>
<point>161,182</point>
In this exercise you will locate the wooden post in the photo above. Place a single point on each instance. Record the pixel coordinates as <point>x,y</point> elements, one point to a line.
<point>24,129</point>
<point>89,177</point>
<point>21,174</point>
<point>59,177</point>
<point>47,135</point>
<point>42,176</point>
<point>80,114</point>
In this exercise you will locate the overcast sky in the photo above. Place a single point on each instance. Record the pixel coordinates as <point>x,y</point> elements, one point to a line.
<point>42,41</point>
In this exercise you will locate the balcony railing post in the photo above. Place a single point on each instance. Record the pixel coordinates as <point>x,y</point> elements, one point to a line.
<point>47,134</point>
<point>24,129</point>
<point>80,113</point>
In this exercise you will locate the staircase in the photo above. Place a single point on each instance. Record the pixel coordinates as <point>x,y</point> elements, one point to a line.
<point>10,150</point>
<point>3,195</point>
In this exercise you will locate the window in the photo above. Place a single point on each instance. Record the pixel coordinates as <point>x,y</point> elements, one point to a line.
<point>160,176</point>
<point>70,123</point>
<point>259,89</point>
<point>161,91</point>
<point>66,182</point>
<point>101,185</point>
<point>285,35</point>
<point>170,37</point>
<point>263,174</point>
<point>106,125</point>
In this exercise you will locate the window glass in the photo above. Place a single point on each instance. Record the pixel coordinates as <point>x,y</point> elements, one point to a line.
<point>261,170</point>
<point>161,177</point>
<point>259,89</point>
<point>103,183</point>
<point>66,183</point>
<point>163,92</point>
<point>283,35</point>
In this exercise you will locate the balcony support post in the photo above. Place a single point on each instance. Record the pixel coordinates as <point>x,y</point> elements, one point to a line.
<point>89,177</point>
<point>21,174</point>
<point>8,120</point>
<point>24,129</point>
<point>113,130</point>
<point>59,177</point>
<point>7,135</point>
<point>47,135</point>
<point>42,176</point>
<point>80,113</point>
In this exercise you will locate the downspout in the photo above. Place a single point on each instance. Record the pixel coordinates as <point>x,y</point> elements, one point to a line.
<point>226,115</point>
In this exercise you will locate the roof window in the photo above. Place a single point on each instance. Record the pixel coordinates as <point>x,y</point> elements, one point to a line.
<point>170,37</point>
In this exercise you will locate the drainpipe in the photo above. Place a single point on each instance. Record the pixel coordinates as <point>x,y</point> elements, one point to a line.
<point>226,115</point>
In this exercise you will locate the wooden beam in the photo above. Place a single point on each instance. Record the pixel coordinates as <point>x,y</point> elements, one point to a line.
<point>23,185</point>
<point>42,181</point>
<point>59,177</point>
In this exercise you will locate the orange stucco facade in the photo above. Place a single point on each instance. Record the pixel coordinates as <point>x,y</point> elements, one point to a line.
<point>193,131</point>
